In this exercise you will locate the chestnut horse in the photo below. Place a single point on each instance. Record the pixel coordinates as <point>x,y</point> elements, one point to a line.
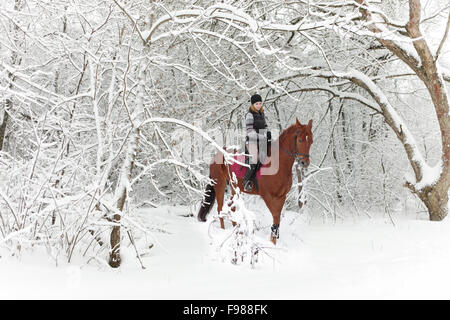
<point>293,143</point>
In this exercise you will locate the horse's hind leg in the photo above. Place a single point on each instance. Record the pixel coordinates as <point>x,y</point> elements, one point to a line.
<point>220,194</point>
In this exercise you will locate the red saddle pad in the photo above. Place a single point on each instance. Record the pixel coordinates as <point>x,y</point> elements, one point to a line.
<point>239,170</point>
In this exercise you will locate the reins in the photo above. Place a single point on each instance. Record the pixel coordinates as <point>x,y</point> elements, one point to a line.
<point>295,154</point>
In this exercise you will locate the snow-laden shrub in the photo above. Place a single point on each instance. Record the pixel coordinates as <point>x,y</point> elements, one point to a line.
<point>240,246</point>
<point>42,209</point>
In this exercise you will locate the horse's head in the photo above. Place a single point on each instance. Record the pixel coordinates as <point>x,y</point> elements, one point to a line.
<point>303,141</point>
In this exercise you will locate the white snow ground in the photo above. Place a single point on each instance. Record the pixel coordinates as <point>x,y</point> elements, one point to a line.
<point>357,259</point>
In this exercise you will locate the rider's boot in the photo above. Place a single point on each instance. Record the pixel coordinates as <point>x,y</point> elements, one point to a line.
<point>248,176</point>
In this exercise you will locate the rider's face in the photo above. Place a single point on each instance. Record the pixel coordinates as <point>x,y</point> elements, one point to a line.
<point>257,105</point>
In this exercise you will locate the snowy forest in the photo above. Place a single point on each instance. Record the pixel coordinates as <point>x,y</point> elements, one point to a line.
<point>112,110</point>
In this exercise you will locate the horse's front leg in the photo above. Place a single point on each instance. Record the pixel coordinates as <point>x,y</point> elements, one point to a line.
<point>275,234</point>
<point>275,206</point>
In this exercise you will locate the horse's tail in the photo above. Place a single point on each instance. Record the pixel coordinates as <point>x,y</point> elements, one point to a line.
<point>207,203</point>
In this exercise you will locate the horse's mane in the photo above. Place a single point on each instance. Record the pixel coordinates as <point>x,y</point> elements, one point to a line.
<point>291,130</point>
<point>286,132</point>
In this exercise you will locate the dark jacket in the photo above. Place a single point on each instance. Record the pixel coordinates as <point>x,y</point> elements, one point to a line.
<point>255,121</point>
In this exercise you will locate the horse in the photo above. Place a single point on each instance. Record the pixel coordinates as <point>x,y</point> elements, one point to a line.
<point>292,144</point>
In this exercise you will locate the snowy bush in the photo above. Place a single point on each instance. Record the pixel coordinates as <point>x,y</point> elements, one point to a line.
<point>240,245</point>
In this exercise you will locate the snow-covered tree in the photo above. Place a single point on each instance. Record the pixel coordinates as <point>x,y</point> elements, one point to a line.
<point>110,105</point>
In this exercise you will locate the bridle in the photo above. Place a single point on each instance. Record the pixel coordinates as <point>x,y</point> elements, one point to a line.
<point>295,154</point>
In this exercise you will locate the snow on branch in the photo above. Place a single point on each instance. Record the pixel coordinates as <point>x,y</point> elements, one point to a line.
<point>425,175</point>
<point>232,15</point>
<point>197,174</point>
<point>228,157</point>
<point>395,121</point>
<point>133,20</point>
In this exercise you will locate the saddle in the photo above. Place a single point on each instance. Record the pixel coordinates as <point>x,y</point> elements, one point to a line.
<point>240,170</point>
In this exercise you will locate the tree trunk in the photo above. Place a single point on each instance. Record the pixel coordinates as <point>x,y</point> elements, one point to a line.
<point>300,196</point>
<point>436,201</point>
<point>15,60</point>
<point>114,255</point>
<point>434,196</point>
<point>3,126</point>
<point>124,179</point>
<point>127,170</point>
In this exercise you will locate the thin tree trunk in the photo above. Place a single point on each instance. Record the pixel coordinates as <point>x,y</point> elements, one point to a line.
<point>300,196</point>
<point>3,125</point>
<point>334,153</point>
<point>127,170</point>
<point>15,60</point>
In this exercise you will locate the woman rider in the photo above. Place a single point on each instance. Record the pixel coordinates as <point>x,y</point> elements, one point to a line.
<point>257,133</point>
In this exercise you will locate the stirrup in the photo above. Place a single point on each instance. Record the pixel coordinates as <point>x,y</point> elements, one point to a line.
<point>248,186</point>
